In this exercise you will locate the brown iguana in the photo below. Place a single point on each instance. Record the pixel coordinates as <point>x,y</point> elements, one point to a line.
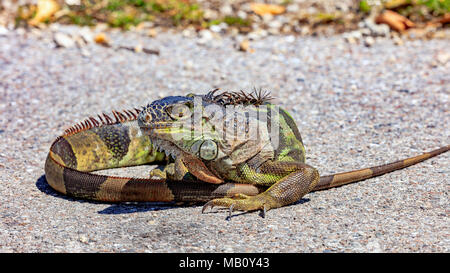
<point>232,149</point>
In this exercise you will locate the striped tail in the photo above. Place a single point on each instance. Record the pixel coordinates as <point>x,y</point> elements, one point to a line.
<point>339,179</point>
<point>122,189</point>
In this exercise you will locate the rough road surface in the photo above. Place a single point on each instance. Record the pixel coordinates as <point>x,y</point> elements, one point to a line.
<point>356,107</point>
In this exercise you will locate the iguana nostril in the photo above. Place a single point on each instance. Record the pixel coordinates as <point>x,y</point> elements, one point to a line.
<point>208,150</point>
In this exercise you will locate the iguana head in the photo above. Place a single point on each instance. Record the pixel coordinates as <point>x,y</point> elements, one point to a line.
<point>213,128</point>
<point>165,120</point>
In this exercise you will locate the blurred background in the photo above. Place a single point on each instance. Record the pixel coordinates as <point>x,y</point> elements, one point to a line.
<point>361,21</point>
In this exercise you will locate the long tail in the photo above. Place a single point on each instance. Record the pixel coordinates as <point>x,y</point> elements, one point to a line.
<point>339,179</point>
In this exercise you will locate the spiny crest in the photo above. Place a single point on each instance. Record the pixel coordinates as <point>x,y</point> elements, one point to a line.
<point>256,97</point>
<point>103,119</point>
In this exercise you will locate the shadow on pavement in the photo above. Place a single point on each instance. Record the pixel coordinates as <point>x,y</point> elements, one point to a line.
<point>132,207</point>
<point>115,208</point>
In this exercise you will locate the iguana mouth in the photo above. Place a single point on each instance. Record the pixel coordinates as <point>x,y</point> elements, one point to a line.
<point>157,126</point>
<point>165,146</point>
<point>164,128</point>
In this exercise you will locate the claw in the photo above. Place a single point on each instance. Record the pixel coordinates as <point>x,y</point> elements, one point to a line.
<point>208,205</point>
<point>264,211</point>
<point>242,202</point>
<point>230,211</point>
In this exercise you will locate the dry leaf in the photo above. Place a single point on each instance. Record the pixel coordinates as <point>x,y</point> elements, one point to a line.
<point>445,19</point>
<point>102,39</point>
<point>392,4</point>
<point>394,20</point>
<point>261,8</point>
<point>45,9</point>
<point>439,21</point>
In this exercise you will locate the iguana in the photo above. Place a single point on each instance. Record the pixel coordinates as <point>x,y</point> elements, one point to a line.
<point>234,149</point>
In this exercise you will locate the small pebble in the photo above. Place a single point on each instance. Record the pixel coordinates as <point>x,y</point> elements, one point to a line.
<point>84,239</point>
<point>3,31</point>
<point>369,41</point>
<point>63,40</point>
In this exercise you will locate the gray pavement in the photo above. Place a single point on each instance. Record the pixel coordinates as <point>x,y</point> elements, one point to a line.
<point>356,106</point>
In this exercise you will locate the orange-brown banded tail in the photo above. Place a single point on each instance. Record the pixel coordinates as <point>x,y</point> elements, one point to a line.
<point>339,179</point>
<point>91,186</point>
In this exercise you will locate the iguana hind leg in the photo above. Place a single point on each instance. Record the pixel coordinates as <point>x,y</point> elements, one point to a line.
<point>289,189</point>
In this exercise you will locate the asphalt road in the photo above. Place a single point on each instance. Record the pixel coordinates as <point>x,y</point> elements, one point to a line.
<point>356,106</point>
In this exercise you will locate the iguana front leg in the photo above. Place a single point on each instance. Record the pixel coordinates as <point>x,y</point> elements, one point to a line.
<point>186,164</point>
<point>297,180</point>
<point>173,171</point>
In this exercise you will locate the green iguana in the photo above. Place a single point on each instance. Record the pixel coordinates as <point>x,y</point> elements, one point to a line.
<point>233,150</point>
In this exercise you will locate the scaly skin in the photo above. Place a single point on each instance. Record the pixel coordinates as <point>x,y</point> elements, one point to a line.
<point>208,153</point>
<point>211,138</point>
<point>105,143</point>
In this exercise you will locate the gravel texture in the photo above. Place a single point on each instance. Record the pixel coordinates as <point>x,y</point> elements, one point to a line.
<point>356,106</point>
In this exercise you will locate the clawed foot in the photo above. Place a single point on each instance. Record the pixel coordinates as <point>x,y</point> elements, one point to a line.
<point>243,202</point>
<point>158,173</point>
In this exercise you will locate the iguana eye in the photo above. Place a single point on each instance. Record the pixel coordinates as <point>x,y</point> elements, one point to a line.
<point>208,150</point>
<point>179,111</point>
